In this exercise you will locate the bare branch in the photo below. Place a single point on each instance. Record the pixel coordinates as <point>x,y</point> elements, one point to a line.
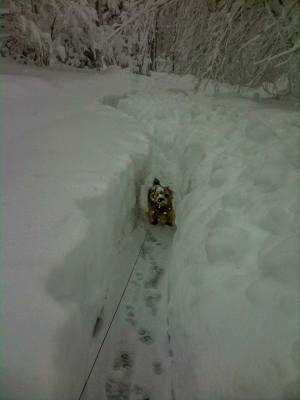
<point>291,50</point>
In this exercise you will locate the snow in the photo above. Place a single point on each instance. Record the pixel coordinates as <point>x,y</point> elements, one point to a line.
<point>78,149</point>
<point>70,188</point>
<point>135,357</point>
<point>234,275</point>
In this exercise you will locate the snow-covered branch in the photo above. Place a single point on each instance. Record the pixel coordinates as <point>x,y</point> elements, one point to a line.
<point>239,42</point>
<point>61,29</point>
<point>153,6</point>
<point>284,53</point>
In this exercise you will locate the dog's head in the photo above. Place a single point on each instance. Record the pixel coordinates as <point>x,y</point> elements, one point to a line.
<point>160,196</point>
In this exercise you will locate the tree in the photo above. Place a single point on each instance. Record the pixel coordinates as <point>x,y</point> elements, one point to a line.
<point>139,25</point>
<point>250,42</point>
<point>39,31</point>
<point>241,42</point>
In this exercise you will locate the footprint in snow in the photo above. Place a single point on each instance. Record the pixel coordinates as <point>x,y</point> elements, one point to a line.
<point>156,274</point>
<point>130,315</point>
<point>152,297</point>
<point>151,239</point>
<point>139,276</point>
<point>117,389</point>
<point>157,368</point>
<point>145,251</point>
<point>145,336</point>
<point>140,393</point>
<point>124,361</point>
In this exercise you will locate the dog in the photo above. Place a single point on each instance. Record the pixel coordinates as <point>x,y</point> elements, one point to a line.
<point>160,207</point>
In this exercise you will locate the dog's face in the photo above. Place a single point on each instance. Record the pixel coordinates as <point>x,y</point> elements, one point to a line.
<point>160,196</point>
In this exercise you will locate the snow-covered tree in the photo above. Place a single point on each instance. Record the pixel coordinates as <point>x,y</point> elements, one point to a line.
<point>38,30</point>
<point>249,42</point>
<point>132,40</point>
<point>242,42</point>
<point>21,37</point>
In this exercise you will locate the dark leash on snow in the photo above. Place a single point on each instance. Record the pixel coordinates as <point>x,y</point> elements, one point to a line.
<point>87,379</point>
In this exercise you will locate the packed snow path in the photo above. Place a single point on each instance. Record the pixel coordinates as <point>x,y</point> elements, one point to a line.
<point>135,356</point>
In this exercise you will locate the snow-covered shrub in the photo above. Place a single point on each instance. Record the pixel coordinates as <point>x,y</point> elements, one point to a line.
<point>22,39</point>
<point>73,26</point>
<point>247,42</point>
<point>244,43</point>
<point>137,32</point>
<point>65,29</point>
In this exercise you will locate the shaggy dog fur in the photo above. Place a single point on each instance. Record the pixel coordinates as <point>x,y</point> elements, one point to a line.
<point>160,207</point>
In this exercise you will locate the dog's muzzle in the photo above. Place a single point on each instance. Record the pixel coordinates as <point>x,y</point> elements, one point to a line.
<point>161,201</point>
<point>159,197</point>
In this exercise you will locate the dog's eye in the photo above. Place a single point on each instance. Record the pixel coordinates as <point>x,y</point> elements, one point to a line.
<point>166,195</point>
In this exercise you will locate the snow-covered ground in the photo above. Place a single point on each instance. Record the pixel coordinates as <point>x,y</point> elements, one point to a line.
<point>72,171</point>
<point>78,148</point>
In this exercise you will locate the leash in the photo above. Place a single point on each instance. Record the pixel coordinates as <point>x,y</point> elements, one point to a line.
<point>87,379</point>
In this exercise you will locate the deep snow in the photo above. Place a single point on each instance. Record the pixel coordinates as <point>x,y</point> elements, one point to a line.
<point>73,170</point>
<point>70,188</point>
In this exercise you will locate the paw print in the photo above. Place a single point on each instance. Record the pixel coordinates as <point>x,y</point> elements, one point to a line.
<point>139,276</point>
<point>130,315</point>
<point>157,368</point>
<point>140,393</point>
<point>145,336</point>
<point>152,297</point>
<point>123,362</point>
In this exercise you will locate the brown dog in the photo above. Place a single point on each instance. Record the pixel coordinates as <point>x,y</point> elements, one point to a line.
<point>160,206</point>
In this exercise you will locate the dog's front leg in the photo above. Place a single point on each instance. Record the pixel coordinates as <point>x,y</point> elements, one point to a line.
<point>153,217</point>
<point>153,220</point>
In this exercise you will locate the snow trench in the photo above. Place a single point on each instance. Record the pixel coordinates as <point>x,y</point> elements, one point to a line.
<point>135,356</point>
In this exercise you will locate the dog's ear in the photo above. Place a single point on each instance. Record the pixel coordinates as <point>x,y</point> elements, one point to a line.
<point>167,187</point>
<point>156,181</point>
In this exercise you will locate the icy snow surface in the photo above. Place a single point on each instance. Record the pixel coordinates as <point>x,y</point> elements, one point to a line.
<point>221,320</point>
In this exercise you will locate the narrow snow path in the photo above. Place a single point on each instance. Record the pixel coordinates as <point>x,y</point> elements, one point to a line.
<point>135,356</point>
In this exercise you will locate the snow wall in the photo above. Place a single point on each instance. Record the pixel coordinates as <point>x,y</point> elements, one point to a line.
<point>71,191</point>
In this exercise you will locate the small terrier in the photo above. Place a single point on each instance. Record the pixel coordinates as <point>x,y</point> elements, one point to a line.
<point>160,206</point>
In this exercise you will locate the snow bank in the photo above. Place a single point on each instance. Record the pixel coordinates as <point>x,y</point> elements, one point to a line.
<point>70,190</point>
<point>234,290</point>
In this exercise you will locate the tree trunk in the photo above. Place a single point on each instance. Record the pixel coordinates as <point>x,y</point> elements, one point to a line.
<point>153,46</point>
<point>98,9</point>
<point>174,36</point>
